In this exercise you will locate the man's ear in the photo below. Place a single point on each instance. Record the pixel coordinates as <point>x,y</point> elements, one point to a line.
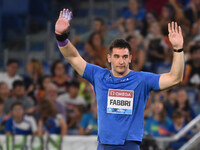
<point>108,57</point>
<point>130,58</point>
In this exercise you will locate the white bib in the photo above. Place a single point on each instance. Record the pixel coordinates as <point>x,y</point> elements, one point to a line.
<point>120,101</point>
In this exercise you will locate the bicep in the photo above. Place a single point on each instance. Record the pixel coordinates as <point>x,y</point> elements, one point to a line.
<point>79,64</point>
<point>167,81</point>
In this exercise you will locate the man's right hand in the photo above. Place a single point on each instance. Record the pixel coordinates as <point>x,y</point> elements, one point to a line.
<point>62,23</point>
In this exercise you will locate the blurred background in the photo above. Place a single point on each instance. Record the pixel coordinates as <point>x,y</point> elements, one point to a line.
<point>38,86</point>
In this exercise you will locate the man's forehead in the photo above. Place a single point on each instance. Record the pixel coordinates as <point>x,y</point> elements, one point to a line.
<point>120,51</point>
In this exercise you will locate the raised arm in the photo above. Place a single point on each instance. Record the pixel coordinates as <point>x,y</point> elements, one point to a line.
<point>66,48</point>
<point>175,76</point>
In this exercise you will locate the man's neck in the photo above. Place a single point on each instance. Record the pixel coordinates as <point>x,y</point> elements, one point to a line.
<point>115,74</point>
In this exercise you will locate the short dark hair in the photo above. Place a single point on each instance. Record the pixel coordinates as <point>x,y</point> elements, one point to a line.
<point>119,43</point>
<point>18,83</point>
<point>16,104</point>
<point>74,83</point>
<point>11,60</point>
<point>100,20</point>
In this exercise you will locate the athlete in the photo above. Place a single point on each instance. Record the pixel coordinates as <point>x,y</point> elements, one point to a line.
<point>120,92</point>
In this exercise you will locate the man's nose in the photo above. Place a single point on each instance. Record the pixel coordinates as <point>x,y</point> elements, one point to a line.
<point>121,60</point>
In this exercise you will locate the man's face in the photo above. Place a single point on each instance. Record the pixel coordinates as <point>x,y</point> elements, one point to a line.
<point>120,59</point>
<point>12,69</point>
<point>17,111</point>
<point>19,91</point>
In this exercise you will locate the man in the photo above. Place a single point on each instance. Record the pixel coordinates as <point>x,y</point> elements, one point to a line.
<point>18,95</point>
<point>120,92</point>
<point>11,75</point>
<point>20,123</point>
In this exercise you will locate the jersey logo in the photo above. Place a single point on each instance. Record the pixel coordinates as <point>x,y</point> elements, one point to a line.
<point>120,101</point>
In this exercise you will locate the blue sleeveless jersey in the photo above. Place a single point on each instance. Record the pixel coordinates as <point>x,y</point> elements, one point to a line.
<point>120,103</point>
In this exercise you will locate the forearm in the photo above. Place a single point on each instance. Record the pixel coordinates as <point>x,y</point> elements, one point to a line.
<point>68,51</point>
<point>177,68</point>
<point>73,57</point>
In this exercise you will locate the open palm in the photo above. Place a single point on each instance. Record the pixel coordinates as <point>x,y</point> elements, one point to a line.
<point>62,23</point>
<point>175,35</point>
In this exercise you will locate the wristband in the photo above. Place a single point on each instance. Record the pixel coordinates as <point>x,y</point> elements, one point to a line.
<point>62,37</point>
<point>178,50</point>
<point>63,43</point>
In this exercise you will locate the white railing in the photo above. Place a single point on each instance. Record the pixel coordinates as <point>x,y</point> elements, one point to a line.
<point>163,142</point>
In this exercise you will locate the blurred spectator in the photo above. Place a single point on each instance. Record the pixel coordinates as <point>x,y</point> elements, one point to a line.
<point>98,26</point>
<point>170,102</point>
<point>182,103</point>
<point>74,122</point>
<point>196,27</point>
<point>138,54</point>
<point>42,86</point>
<point>158,125</point>
<point>129,28</point>
<point>192,11</point>
<point>179,13</point>
<point>148,112</point>
<point>18,95</point>
<point>134,11</point>
<point>51,122</point>
<point>96,50</point>
<point>167,15</point>
<point>3,117</point>
<point>156,46</point>
<point>72,98</point>
<point>11,75</point>
<point>178,119</point>
<point>19,123</point>
<point>88,125</point>
<point>51,94</point>
<point>86,90</point>
<point>192,69</point>
<point>59,76</point>
<point>4,91</point>
<point>35,71</point>
<point>150,18</point>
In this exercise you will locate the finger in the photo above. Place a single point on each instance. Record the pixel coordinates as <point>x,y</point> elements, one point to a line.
<point>169,28</point>
<point>70,16</point>
<point>179,30</point>
<point>63,13</point>
<point>172,26</point>
<point>60,14</point>
<point>176,27</point>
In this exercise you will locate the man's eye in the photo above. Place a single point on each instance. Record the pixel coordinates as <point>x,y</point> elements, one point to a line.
<point>116,56</point>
